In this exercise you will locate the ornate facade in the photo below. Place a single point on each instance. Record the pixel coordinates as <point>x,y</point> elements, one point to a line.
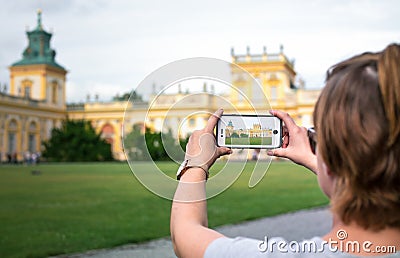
<point>37,102</point>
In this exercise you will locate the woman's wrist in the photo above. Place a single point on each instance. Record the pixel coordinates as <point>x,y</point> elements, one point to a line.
<point>192,186</point>
<point>311,164</point>
<point>194,174</point>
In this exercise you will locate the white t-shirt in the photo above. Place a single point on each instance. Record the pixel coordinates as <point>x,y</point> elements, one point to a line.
<point>278,247</point>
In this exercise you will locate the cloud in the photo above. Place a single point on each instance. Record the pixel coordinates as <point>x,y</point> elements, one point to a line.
<point>119,42</point>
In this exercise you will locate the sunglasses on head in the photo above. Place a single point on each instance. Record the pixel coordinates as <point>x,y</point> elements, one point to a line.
<point>312,137</point>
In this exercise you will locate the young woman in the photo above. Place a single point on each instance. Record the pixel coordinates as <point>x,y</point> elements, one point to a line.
<point>356,160</point>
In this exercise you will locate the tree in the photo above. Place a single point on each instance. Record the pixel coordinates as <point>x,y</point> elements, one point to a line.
<point>155,146</point>
<point>234,135</point>
<point>135,145</point>
<point>76,141</point>
<point>133,97</point>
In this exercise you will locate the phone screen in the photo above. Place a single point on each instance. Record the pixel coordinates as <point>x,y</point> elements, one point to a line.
<point>249,131</point>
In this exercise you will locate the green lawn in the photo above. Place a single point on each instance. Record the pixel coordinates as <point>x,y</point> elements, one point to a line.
<point>76,207</point>
<point>248,141</point>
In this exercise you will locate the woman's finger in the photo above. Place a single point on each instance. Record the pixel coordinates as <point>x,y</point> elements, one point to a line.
<point>213,120</point>
<point>286,118</point>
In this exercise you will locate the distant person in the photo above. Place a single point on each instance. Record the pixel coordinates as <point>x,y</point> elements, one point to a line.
<point>14,158</point>
<point>9,158</point>
<point>34,158</point>
<point>39,155</point>
<point>354,152</point>
<point>255,154</point>
<point>27,157</point>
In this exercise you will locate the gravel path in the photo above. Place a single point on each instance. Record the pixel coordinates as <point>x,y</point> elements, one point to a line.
<point>291,226</point>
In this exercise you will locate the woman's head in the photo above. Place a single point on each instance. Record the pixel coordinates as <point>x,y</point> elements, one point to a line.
<point>357,120</point>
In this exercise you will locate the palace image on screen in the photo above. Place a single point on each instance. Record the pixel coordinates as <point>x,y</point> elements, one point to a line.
<point>253,133</point>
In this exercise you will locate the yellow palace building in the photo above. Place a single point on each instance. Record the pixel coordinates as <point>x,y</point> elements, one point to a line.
<point>36,102</point>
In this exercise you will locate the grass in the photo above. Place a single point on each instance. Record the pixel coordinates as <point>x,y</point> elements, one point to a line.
<point>76,207</point>
<point>248,141</point>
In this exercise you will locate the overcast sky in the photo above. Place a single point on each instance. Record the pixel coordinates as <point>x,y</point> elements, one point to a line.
<point>109,47</point>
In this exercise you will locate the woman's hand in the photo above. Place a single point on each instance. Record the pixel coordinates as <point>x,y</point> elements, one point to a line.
<point>201,149</point>
<point>296,145</point>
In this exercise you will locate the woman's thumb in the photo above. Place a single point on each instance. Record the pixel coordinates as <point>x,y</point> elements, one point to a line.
<point>280,152</point>
<point>224,151</point>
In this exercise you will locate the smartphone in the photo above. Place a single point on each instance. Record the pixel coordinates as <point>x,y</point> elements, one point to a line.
<point>249,131</point>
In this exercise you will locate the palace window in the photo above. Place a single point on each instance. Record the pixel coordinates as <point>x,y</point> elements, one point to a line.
<point>31,143</point>
<point>274,93</point>
<point>32,137</point>
<point>54,89</point>
<point>12,136</point>
<point>12,144</point>
<point>26,88</point>
<point>241,95</point>
<point>257,90</point>
<point>12,126</point>
<point>27,92</point>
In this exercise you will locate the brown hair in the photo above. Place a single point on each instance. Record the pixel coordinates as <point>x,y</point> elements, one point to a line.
<point>357,120</point>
